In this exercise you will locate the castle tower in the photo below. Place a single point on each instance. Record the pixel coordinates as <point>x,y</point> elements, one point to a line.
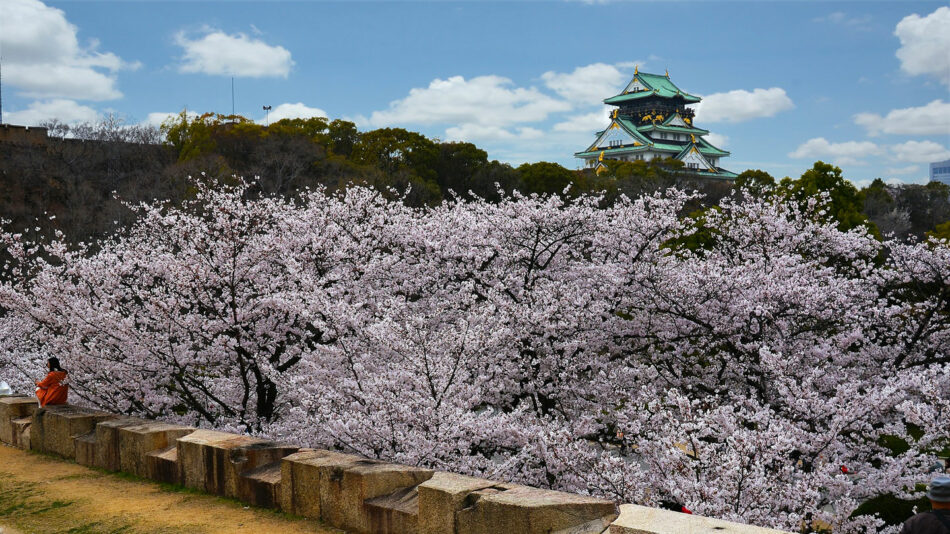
<point>652,121</point>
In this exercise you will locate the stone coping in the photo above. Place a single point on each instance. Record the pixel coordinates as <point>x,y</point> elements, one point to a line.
<point>356,494</point>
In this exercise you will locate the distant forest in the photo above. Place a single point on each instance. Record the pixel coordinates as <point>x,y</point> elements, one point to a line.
<point>72,181</point>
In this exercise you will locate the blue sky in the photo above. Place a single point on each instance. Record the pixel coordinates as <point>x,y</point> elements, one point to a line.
<point>863,84</point>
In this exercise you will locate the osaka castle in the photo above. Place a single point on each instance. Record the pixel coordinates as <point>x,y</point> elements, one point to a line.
<point>652,121</point>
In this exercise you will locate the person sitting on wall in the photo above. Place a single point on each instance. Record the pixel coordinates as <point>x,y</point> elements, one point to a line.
<point>52,389</point>
<point>936,521</point>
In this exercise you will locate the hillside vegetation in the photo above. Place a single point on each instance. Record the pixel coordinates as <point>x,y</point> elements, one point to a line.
<point>74,175</point>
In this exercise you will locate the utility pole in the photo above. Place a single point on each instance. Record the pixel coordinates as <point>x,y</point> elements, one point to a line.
<point>1,88</point>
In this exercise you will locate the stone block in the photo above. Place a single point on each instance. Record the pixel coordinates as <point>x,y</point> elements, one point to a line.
<point>339,489</point>
<point>213,461</point>
<point>162,465</point>
<point>300,479</point>
<point>642,520</point>
<point>442,496</point>
<point>107,441</point>
<point>136,441</point>
<point>12,408</point>
<point>534,511</point>
<point>21,432</point>
<point>85,449</point>
<point>397,513</point>
<point>345,487</point>
<point>261,486</point>
<point>54,428</point>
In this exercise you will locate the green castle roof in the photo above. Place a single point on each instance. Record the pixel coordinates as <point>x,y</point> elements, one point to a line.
<point>656,84</point>
<point>674,129</point>
<point>707,149</point>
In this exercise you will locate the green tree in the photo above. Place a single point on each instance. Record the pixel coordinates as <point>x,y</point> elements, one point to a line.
<point>343,137</point>
<point>845,203</point>
<point>394,149</point>
<point>941,231</point>
<point>545,178</point>
<point>755,180</point>
<point>457,164</point>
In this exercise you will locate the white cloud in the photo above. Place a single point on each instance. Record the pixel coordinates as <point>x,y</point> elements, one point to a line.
<point>741,105</point>
<point>68,111</point>
<point>587,123</point>
<point>920,152</point>
<point>847,153</point>
<point>43,57</point>
<point>932,119</point>
<point>218,53</point>
<point>717,140</point>
<point>902,170</point>
<point>157,118</point>
<point>925,44</point>
<point>838,17</point>
<point>588,85</point>
<point>480,132</point>
<point>293,111</point>
<point>484,101</point>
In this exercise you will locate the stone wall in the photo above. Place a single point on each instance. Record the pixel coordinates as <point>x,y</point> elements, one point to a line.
<point>22,135</point>
<point>355,494</point>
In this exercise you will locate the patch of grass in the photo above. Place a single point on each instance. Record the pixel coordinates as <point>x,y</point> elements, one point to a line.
<point>79,476</point>
<point>24,506</point>
<point>50,506</point>
<point>98,528</point>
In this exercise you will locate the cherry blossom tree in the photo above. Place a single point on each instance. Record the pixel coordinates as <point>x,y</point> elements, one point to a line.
<point>754,363</point>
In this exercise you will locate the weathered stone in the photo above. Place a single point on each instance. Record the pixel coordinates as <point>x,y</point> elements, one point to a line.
<point>261,486</point>
<point>345,487</point>
<point>107,441</point>
<point>397,513</point>
<point>442,496</point>
<point>642,520</point>
<point>162,465</point>
<point>300,479</point>
<point>21,432</point>
<point>213,461</point>
<point>85,449</point>
<point>136,441</point>
<point>530,510</point>
<point>54,428</point>
<point>335,487</point>
<point>12,408</point>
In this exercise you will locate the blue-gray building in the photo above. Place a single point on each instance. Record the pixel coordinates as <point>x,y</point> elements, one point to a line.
<point>940,172</point>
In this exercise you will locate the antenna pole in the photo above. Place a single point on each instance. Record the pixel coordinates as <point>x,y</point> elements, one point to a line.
<point>232,98</point>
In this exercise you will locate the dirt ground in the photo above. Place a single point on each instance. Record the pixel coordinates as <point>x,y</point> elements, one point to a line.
<point>41,494</point>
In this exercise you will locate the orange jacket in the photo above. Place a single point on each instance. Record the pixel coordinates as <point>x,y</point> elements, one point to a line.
<point>51,390</point>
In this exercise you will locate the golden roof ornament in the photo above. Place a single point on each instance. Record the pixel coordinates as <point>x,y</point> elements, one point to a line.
<point>636,69</point>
